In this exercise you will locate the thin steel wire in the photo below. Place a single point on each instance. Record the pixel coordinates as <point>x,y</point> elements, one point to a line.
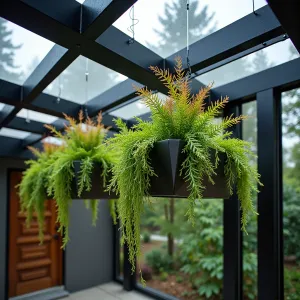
<point>86,84</point>
<point>134,22</point>
<point>189,72</point>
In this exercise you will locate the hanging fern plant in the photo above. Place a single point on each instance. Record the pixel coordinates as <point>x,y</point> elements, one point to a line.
<point>84,142</point>
<point>33,187</point>
<point>182,116</point>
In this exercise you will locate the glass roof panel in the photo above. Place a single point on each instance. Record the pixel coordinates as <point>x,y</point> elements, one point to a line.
<point>52,140</point>
<point>271,56</point>
<point>72,85</point>
<point>161,24</point>
<point>13,133</point>
<point>134,109</point>
<point>36,116</point>
<point>20,51</point>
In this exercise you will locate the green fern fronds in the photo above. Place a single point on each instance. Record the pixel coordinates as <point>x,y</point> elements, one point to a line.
<point>186,117</point>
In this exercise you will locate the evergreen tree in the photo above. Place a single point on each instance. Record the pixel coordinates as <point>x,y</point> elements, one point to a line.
<point>8,69</point>
<point>173,35</point>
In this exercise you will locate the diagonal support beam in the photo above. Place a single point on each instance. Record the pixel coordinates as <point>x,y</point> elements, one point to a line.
<point>58,58</point>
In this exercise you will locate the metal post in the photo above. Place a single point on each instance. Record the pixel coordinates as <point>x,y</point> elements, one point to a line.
<point>129,276</point>
<point>232,245</point>
<point>270,244</point>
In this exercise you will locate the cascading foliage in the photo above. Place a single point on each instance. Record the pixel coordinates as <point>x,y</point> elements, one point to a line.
<point>181,116</point>
<point>52,174</point>
<point>82,141</point>
<point>33,187</point>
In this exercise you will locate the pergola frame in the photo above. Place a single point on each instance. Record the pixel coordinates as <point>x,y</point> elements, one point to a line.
<point>86,29</point>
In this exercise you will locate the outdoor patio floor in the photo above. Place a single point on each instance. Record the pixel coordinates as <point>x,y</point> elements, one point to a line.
<point>107,291</point>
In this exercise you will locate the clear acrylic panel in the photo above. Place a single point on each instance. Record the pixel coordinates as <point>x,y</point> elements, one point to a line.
<point>36,116</point>
<point>261,60</point>
<point>21,51</point>
<point>72,84</point>
<point>162,23</point>
<point>17,134</point>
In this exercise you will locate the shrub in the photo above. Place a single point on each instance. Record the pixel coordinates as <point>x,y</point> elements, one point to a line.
<point>163,276</point>
<point>179,279</point>
<point>159,261</point>
<point>291,221</point>
<point>201,254</point>
<point>292,283</point>
<point>146,237</point>
<point>147,272</point>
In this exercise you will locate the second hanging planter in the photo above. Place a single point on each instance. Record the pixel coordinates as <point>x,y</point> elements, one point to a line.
<point>98,190</point>
<point>166,159</point>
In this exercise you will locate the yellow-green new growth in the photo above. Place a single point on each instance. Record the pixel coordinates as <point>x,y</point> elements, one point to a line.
<point>182,116</point>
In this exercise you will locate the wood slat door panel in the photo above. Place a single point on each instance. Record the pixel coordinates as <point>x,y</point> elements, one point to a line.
<point>32,266</point>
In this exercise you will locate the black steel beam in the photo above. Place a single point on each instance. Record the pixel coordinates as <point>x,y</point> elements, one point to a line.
<point>270,231</point>
<point>66,12</point>
<point>232,245</point>
<point>239,36</point>
<point>284,76</point>
<point>118,94</point>
<point>287,13</point>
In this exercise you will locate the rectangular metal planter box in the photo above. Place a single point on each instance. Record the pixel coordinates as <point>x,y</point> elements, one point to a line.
<point>97,191</point>
<point>166,160</point>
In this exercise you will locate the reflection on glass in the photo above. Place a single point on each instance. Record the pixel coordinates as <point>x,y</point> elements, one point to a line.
<point>13,133</point>
<point>249,134</point>
<point>261,60</point>
<point>291,191</point>
<point>83,80</point>
<point>36,116</point>
<point>20,51</point>
<point>177,258</point>
<point>162,23</point>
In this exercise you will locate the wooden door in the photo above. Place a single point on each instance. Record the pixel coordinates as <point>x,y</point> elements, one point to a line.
<point>32,266</point>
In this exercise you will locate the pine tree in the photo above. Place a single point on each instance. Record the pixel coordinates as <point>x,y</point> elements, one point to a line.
<point>173,35</point>
<point>8,69</point>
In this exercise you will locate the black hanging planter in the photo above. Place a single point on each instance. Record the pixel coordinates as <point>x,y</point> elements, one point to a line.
<point>166,160</point>
<point>97,191</point>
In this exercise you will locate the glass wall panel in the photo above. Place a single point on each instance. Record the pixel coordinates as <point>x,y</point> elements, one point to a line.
<point>20,51</point>
<point>291,191</point>
<point>73,85</point>
<point>177,258</point>
<point>249,133</point>
<point>162,23</point>
<point>261,60</point>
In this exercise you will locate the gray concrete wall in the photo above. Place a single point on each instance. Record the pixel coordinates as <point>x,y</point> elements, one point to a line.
<point>89,254</point>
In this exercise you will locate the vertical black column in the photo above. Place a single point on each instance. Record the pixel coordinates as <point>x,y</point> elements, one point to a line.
<point>116,250</point>
<point>129,277</point>
<point>232,248</point>
<point>270,250</point>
